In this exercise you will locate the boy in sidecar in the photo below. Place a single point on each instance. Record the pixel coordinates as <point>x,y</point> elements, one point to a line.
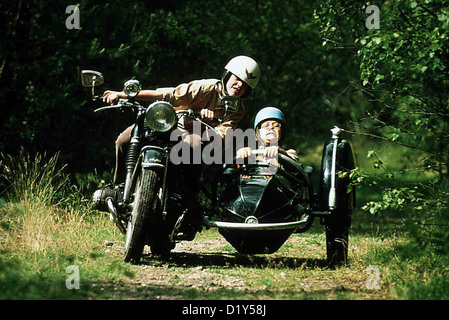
<point>271,191</point>
<point>270,129</point>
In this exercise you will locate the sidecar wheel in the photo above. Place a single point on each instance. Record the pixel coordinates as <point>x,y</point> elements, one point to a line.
<point>145,203</point>
<point>161,245</point>
<point>337,244</point>
<point>339,222</point>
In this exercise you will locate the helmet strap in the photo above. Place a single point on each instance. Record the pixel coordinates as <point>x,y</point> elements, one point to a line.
<point>224,80</point>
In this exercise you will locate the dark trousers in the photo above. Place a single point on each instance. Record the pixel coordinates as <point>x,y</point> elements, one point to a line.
<point>121,146</point>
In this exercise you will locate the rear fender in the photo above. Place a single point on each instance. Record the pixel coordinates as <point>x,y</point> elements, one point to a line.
<point>333,193</point>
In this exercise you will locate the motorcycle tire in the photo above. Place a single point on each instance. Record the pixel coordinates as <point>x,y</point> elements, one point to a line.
<point>337,244</point>
<point>144,205</point>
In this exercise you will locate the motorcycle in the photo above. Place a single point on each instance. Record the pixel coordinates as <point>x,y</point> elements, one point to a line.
<point>256,205</point>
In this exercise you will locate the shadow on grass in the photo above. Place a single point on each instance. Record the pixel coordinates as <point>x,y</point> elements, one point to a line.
<point>189,260</point>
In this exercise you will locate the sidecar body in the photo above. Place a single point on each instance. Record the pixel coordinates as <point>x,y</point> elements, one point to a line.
<point>260,205</point>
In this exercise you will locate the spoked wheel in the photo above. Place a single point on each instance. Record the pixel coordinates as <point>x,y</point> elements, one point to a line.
<point>145,206</point>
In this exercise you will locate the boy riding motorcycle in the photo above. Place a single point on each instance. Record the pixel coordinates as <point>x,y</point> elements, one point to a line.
<point>241,76</point>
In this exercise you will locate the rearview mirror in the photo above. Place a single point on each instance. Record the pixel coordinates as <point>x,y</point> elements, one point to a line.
<point>90,78</point>
<point>230,103</point>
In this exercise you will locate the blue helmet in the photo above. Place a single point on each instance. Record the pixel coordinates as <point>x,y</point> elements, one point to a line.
<point>269,113</point>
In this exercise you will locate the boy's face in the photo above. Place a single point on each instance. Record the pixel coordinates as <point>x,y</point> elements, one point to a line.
<point>270,132</point>
<point>235,86</point>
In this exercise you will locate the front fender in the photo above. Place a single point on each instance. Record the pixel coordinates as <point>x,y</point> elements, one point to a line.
<point>151,157</point>
<point>154,157</point>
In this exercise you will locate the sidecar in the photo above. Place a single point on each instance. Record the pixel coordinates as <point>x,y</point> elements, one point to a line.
<point>260,204</point>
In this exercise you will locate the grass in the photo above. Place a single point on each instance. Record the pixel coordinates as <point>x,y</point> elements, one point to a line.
<point>416,259</point>
<point>42,234</point>
<point>41,242</point>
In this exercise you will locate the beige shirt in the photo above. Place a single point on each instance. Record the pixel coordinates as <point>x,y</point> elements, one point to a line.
<point>204,94</point>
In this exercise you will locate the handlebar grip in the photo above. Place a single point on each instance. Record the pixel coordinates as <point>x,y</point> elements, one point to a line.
<point>258,152</point>
<point>196,115</point>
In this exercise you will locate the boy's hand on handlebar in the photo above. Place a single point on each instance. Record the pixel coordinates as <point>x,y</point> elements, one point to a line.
<point>111,97</point>
<point>271,151</point>
<point>207,114</point>
<point>244,153</point>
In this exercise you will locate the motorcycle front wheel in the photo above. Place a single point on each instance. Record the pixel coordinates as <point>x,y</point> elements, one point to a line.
<point>144,205</point>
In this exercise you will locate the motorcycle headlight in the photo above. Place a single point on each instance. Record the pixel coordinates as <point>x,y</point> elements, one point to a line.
<point>132,88</point>
<point>160,116</point>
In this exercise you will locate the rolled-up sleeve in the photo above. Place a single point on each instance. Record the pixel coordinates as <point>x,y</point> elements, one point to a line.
<point>201,94</point>
<point>193,94</point>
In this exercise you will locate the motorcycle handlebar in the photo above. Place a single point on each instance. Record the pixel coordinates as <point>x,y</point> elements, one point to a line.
<point>121,103</point>
<point>258,152</point>
<point>195,115</point>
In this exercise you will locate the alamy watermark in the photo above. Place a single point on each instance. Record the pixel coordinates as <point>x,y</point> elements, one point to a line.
<point>373,21</point>
<point>373,280</point>
<point>73,280</point>
<point>208,147</point>
<point>72,21</point>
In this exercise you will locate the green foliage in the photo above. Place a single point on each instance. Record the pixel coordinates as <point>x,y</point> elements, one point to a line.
<point>161,44</point>
<point>403,67</point>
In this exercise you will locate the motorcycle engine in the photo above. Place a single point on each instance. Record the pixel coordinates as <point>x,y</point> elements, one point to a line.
<point>100,197</point>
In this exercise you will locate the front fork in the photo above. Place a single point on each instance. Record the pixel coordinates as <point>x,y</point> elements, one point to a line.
<point>132,155</point>
<point>146,158</point>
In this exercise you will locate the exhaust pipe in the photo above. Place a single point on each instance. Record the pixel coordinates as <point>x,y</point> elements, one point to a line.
<point>114,215</point>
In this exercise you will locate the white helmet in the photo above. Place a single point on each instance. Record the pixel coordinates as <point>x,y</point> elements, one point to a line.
<point>246,69</point>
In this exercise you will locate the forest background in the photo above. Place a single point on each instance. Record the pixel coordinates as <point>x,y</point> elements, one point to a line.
<point>377,69</point>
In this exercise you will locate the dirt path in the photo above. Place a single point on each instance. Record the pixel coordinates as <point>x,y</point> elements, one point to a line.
<point>208,268</point>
